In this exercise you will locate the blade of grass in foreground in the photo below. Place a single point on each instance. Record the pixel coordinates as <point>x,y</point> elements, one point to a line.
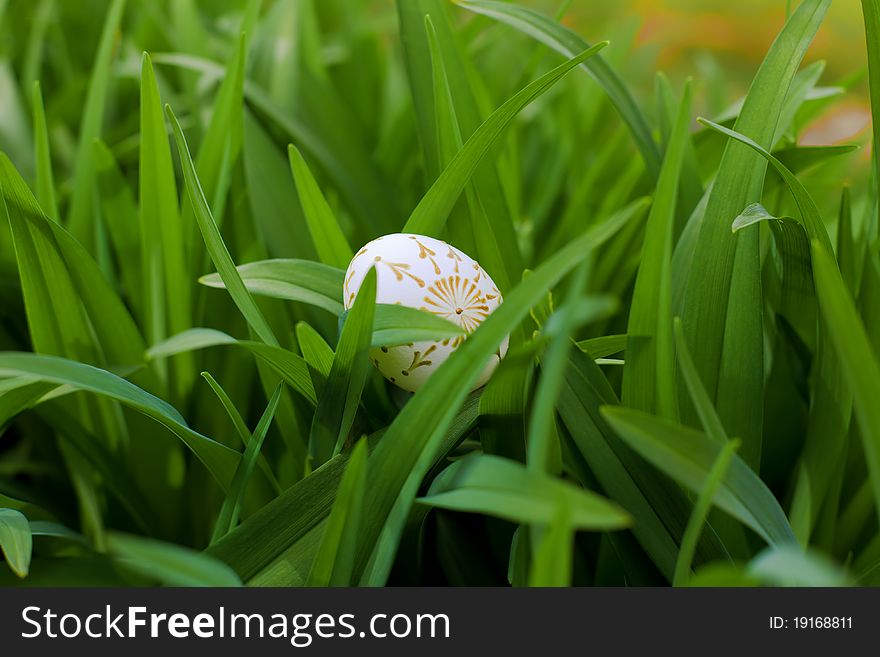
<point>289,365</point>
<point>506,489</point>
<point>229,511</point>
<point>334,560</point>
<point>713,481</point>
<point>170,564</point>
<point>297,280</point>
<point>341,394</point>
<point>276,530</point>
<point>15,541</point>
<point>219,459</point>
<point>552,562</point>
<point>429,216</point>
<point>409,447</point>
<point>687,456</point>
<point>243,432</point>
<point>542,442</point>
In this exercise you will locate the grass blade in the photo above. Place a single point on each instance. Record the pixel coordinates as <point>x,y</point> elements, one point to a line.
<point>15,541</point>
<point>649,371</point>
<point>43,159</point>
<point>430,214</point>
<point>568,43</point>
<point>79,219</point>
<point>171,565</point>
<point>334,561</point>
<point>687,455</point>
<point>505,489</point>
<point>214,242</point>
<point>220,460</point>
<point>339,398</point>
<point>722,316</point>
<point>714,478</point>
<point>229,512</point>
<point>857,359</point>
<point>329,240</point>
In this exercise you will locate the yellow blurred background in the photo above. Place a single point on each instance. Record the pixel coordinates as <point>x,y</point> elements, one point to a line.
<point>718,38</point>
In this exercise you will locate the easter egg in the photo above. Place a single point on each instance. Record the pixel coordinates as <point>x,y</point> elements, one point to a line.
<point>431,275</point>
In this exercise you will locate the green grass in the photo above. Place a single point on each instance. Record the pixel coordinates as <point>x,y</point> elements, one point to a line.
<point>690,394</point>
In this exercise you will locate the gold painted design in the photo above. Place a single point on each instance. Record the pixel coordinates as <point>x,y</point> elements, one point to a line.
<point>454,256</point>
<point>400,270</point>
<point>427,253</point>
<point>419,360</point>
<point>459,300</point>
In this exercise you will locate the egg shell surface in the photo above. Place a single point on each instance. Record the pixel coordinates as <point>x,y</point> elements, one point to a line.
<point>428,274</point>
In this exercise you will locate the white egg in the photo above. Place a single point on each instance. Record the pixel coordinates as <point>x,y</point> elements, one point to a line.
<point>428,274</point>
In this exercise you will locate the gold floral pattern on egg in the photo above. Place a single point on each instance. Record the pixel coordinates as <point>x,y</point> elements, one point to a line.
<point>429,274</point>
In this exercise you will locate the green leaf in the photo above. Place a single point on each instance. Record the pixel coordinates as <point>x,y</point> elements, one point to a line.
<point>552,563</point>
<point>15,541</point>
<point>789,565</point>
<point>857,359</point>
<point>606,345</point>
<point>329,240</point>
<point>220,460</point>
<point>71,309</point>
<point>687,455</point>
<point>396,324</point>
<point>171,565</point>
<point>43,159</point>
<point>231,508</point>
<point>289,365</point>
<point>503,488</point>
<point>315,350</point>
<point>120,213</point>
<point>568,43</point>
<point>240,427</point>
<point>79,219</point>
<point>297,280</point>
<point>162,236</point>
<point>430,214</point>
<point>482,225</point>
<point>334,560</point>
<point>649,370</point>
<point>713,481</point>
<point>706,411</point>
<point>722,315</point>
<point>282,528</point>
<point>340,396</point>
<point>214,242</point>
<point>831,397</point>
